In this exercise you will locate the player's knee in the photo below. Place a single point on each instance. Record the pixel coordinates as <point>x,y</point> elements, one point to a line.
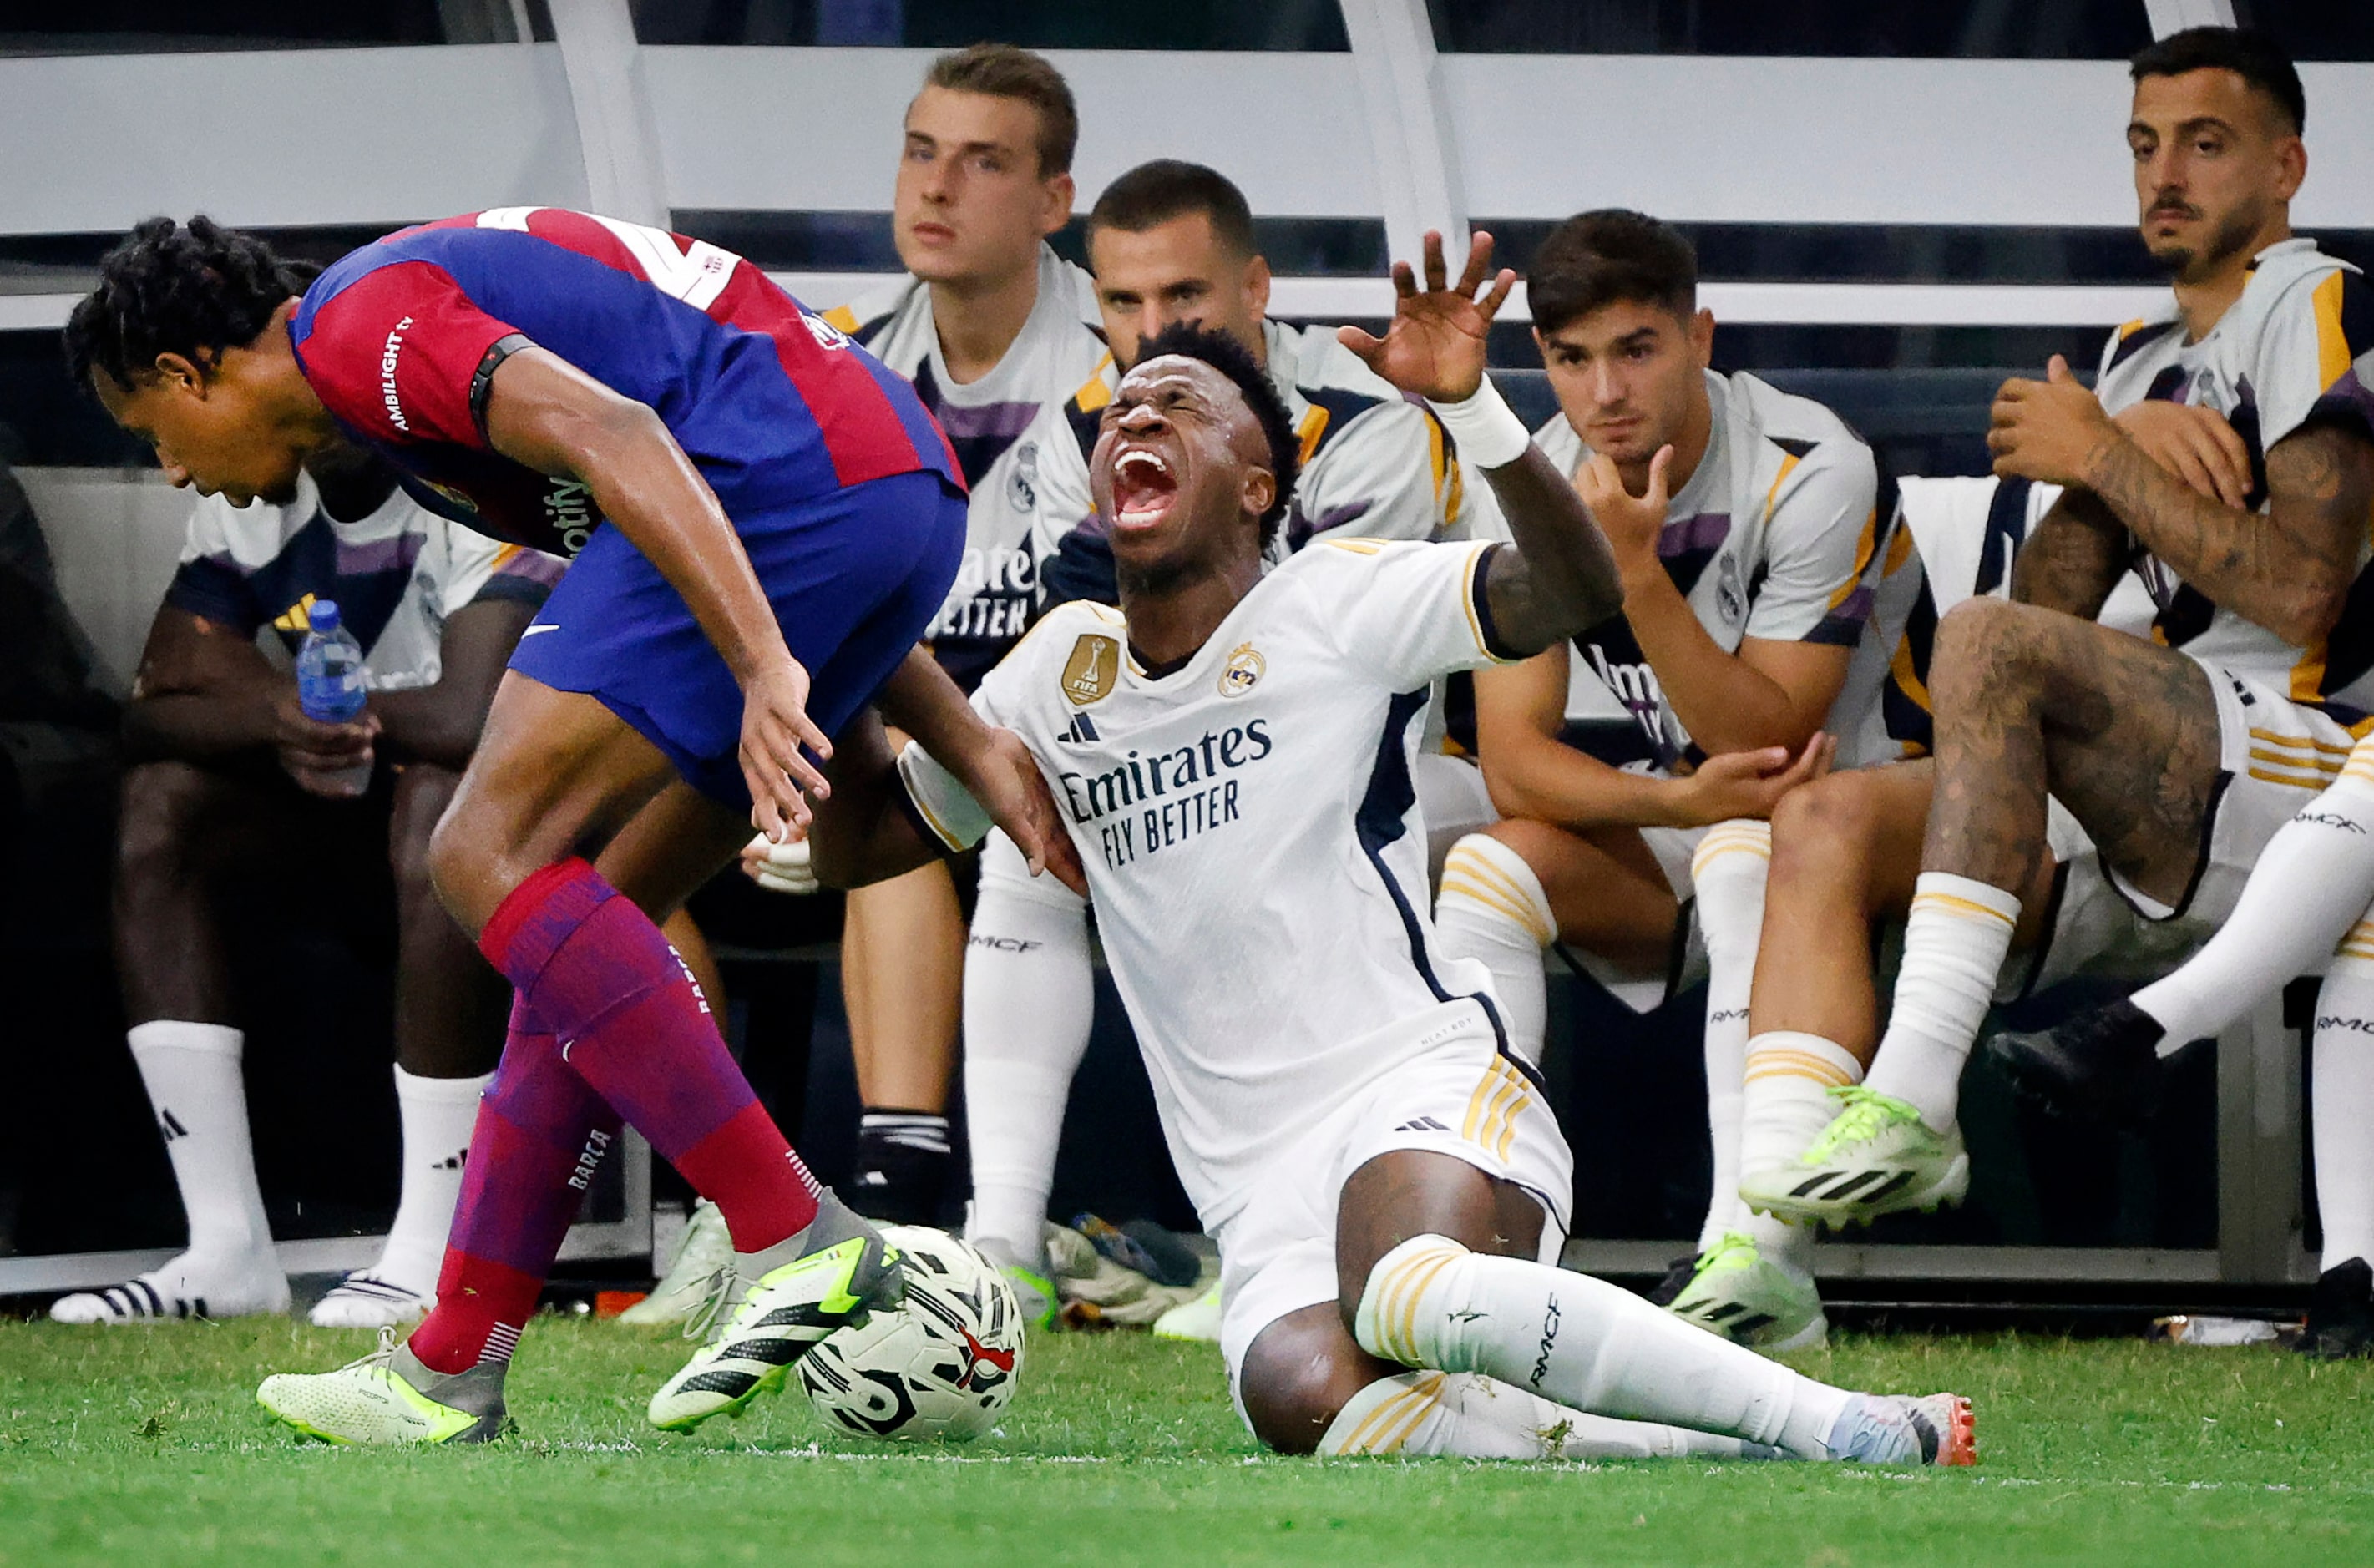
<point>420,803</point>
<point>1298,1377</point>
<point>1825,830</point>
<point>1989,636</point>
<point>160,829</point>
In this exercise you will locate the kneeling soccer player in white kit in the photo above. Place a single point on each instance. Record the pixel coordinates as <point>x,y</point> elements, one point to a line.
<point>1232,752</point>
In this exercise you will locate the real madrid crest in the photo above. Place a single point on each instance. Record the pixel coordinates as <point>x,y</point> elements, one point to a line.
<point>1244,668</point>
<point>1089,672</point>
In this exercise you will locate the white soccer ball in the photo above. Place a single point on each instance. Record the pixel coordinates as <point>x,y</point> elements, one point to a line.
<point>940,1367</point>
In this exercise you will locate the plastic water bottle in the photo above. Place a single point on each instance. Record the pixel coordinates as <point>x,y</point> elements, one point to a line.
<point>330,685</point>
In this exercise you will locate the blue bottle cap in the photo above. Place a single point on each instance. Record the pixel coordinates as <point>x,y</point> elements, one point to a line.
<point>323,616</point>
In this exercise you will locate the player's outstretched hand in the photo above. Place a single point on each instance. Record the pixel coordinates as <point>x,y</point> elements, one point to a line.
<point>1434,347</point>
<point>1005,777</point>
<point>775,725</point>
<point>1749,784</point>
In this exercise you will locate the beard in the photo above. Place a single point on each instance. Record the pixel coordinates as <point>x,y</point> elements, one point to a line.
<point>2230,238</point>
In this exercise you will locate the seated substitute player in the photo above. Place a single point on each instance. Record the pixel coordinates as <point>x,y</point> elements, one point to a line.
<point>768,519</point>
<point>232,779</point>
<point>1744,521</point>
<point>1233,752</point>
<point>991,326</point>
<point>1169,241</point>
<point>2178,756</point>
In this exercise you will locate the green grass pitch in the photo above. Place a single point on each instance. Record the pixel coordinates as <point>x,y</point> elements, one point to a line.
<point>144,1449</point>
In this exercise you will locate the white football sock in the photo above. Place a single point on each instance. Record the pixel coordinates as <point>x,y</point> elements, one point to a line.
<point>1467,1416</point>
<point>2315,876</point>
<point>1584,1344</point>
<point>2342,1080</point>
<point>1492,910</point>
<point>439,1115</point>
<point>1789,1076</point>
<point>1954,947</point>
<point>191,1073</point>
<point>1727,877</point>
<point>1029,1001</point>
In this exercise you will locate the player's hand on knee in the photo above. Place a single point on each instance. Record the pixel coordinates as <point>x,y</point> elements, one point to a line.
<point>1749,784</point>
<point>2194,442</point>
<point>775,726</point>
<point>1434,346</point>
<point>781,868</point>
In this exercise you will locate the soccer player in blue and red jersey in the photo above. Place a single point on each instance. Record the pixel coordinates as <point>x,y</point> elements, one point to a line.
<point>762,521</point>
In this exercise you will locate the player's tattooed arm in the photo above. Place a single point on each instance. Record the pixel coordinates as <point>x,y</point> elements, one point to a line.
<point>2074,558</point>
<point>1561,578</point>
<point>2289,569</point>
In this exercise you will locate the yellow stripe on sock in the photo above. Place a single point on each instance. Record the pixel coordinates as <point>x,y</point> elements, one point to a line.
<point>1780,1062</point>
<point>1966,908</point>
<point>1398,1323</point>
<point>1469,864</point>
<point>1428,1391</point>
<point>1454,882</point>
<point>1374,1424</point>
<point>1710,851</point>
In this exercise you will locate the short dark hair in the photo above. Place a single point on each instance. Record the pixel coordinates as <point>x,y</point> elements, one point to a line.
<point>193,289</point>
<point>1001,70</point>
<point>1598,258</point>
<point>1156,193</point>
<point>1191,340</point>
<point>2248,53</point>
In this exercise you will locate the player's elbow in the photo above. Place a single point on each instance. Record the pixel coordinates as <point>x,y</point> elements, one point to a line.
<point>2308,610</point>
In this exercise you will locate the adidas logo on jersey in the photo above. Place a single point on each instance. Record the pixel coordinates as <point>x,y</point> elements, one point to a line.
<point>170,1126</point>
<point>1080,732</point>
<point>1422,1124</point>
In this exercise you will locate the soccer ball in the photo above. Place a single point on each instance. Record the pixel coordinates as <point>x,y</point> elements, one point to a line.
<point>940,1367</point>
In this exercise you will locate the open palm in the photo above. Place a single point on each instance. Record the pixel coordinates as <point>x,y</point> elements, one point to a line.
<point>1434,347</point>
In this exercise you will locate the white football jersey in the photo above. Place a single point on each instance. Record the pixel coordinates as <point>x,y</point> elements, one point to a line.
<point>1772,537</point>
<point>1952,539</point>
<point>397,576</point>
<point>988,423</point>
<point>1251,836</point>
<point>2280,352</point>
<point>1375,465</point>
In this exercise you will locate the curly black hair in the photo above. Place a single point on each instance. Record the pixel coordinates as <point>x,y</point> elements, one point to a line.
<point>1193,340</point>
<point>193,289</point>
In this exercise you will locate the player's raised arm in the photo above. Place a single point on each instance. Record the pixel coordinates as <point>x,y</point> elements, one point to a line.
<point>1560,577</point>
<point>545,413</point>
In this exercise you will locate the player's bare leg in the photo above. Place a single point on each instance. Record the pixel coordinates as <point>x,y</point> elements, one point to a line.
<point>1436,1272</point>
<point>1508,890</point>
<point>902,980</point>
<point>607,1027</point>
<point>2125,733</point>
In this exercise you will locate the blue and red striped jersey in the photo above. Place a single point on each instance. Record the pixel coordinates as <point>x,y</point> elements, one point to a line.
<point>774,404</point>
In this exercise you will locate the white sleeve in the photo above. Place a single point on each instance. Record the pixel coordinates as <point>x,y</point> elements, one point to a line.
<point>2304,349</point>
<point>1387,475</point>
<point>1818,548</point>
<point>1407,611</point>
<point>942,807</point>
<point>209,532</point>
